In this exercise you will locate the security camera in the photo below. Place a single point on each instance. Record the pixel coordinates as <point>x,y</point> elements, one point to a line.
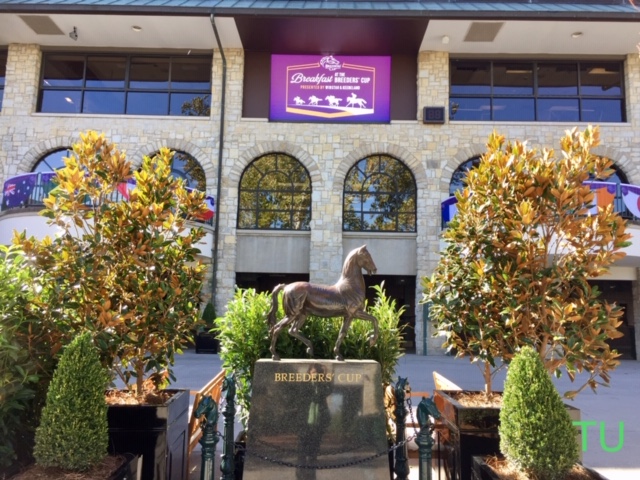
<point>74,34</point>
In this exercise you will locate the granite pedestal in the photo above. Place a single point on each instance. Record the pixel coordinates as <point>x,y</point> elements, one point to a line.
<point>316,420</point>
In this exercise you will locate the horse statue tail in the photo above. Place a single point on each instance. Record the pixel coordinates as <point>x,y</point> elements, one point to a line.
<point>274,305</point>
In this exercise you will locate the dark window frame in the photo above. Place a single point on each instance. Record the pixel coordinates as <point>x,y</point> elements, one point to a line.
<point>535,96</point>
<point>4,57</point>
<point>254,206</point>
<point>169,91</point>
<point>360,213</point>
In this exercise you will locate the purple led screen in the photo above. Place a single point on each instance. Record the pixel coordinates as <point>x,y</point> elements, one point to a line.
<point>330,88</point>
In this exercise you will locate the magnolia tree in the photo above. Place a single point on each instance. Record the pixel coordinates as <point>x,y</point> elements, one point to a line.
<point>519,253</point>
<point>124,270</point>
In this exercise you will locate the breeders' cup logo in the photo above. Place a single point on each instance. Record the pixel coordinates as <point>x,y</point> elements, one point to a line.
<point>323,88</point>
<point>330,63</point>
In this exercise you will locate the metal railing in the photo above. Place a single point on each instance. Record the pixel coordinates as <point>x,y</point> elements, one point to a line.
<point>30,190</point>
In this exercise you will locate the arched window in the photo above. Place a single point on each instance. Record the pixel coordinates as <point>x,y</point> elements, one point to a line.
<point>379,195</point>
<point>189,169</point>
<point>458,177</point>
<point>617,176</point>
<point>275,193</point>
<point>52,161</point>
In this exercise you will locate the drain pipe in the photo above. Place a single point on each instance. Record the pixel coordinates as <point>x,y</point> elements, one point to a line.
<point>216,229</point>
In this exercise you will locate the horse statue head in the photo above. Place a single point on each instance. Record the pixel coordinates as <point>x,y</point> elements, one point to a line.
<point>229,386</point>
<point>208,408</point>
<point>363,260</point>
<point>402,388</point>
<point>427,407</point>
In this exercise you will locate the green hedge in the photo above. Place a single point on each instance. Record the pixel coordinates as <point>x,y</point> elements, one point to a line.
<point>536,432</point>
<point>73,432</point>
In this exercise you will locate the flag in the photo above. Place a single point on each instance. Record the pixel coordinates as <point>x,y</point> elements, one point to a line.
<point>125,188</point>
<point>17,190</point>
<point>449,210</point>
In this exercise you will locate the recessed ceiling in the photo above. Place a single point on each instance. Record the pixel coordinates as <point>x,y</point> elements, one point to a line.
<point>353,36</point>
<point>483,31</point>
<point>41,24</point>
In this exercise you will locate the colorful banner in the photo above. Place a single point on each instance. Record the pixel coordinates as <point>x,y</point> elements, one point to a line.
<point>631,197</point>
<point>604,194</point>
<point>340,89</point>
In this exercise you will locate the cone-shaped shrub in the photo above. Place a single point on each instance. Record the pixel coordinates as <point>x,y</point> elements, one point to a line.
<point>536,432</point>
<point>73,432</point>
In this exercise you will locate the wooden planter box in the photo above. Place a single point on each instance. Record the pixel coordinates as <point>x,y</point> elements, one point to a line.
<point>157,432</point>
<point>482,471</point>
<point>464,432</point>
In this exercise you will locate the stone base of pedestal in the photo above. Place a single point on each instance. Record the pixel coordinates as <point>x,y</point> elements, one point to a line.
<point>316,420</point>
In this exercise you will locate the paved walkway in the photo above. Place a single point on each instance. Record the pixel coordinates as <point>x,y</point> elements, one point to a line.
<point>609,408</point>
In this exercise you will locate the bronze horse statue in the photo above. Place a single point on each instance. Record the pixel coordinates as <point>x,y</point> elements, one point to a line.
<point>343,299</point>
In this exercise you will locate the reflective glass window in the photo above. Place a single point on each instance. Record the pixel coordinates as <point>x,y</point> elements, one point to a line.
<point>459,176</point>
<point>275,194</point>
<point>189,169</point>
<point>470,77</point>
<point>547,91</point>
<point>149,73</point>
<point>126,84</point>
<point>513,78</point>
<point>379,195</point>
<point>513,109</point>
<point>106,72</point>
<point>52,161</point>
<point>601,79</point>
<point>557,79</point>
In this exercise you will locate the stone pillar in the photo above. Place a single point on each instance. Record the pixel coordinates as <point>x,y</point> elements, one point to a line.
<point>433,90</point>
<point>21,81</point>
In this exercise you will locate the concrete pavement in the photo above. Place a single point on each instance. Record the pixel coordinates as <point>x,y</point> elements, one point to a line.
<point>610,409</point>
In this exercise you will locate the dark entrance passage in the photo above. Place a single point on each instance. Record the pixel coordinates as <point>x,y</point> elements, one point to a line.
<point>621,293</point>
<point>401,288</point>
<point>266,282</point>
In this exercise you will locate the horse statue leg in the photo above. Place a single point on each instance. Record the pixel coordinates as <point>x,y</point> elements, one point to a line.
<point>346,323</point>
<point>294,331</point>
<point>275,332</point>
<point>362,315</point>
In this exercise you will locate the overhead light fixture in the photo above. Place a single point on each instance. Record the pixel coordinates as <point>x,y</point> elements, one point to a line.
<point>68,99</point>
<point>73,34</point>
<point>576,34</point>
<point>136,28</point>
<point>445,39</point>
